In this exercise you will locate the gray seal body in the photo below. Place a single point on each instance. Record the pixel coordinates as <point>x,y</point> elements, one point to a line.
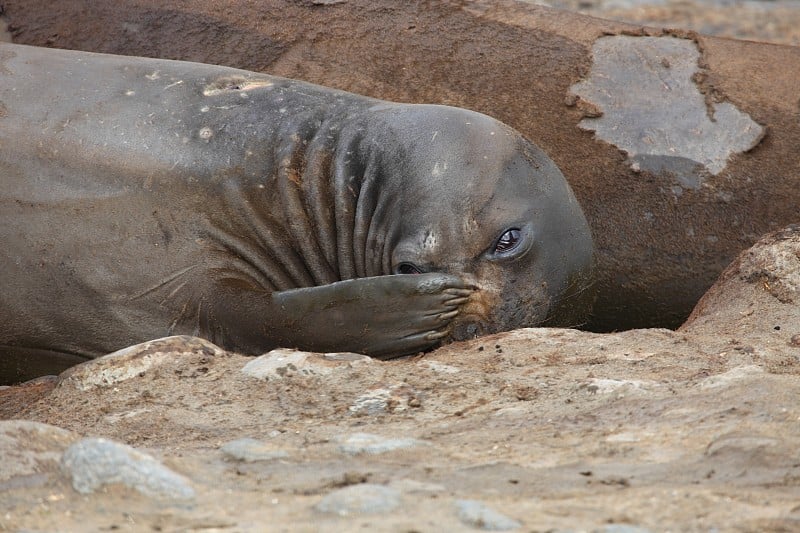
<point>141,198</point>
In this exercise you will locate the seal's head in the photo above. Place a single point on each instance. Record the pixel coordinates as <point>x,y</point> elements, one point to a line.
<point>481,202</point>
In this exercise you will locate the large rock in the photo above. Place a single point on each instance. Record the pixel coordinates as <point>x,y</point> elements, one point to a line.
<point>757,296</point>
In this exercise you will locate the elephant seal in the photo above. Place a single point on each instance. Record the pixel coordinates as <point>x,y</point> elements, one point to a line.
<point>142,198</point>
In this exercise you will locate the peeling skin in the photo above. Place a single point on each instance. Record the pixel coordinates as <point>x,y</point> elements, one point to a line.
<point>234,83</point>
<point>652,108</point>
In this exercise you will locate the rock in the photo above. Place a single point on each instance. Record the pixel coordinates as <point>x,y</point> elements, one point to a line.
<point>758,294</point>
<point>607,386</point>
<point>134,360</point>
<point>93,463</point>
<point>285,363</point>
<point>31,448</point>
<point>476,514</point>
<point>358,443</point>
<point>251,450</point>
<point>732,376</point>
<point>395,398</point>
<point>365,498</point>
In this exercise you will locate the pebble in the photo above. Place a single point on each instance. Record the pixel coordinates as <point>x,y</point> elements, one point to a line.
<point>286,363</point>
<point>93,463</point>
<point>609,386</point>
<point>359,443</point>
<point>393,399</point>
<point>251,450</point>
<point>365,498</point>
<point>372,403</point>
<point>476,514</point>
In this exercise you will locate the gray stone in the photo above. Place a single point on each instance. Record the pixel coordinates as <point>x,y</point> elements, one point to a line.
<point>476,514</point>
<point>285,363</point>
<point>365,498</point>
<point>251,450</point>
<point>94,463</point>
<point>358,443</point>
<point>373,402</point>
<point>392,399</point>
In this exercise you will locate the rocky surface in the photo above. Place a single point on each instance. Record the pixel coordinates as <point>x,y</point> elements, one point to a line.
<point>531,430</point>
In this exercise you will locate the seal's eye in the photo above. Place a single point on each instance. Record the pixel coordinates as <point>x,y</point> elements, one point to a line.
<point>508,241</point>
<point>408,268</point>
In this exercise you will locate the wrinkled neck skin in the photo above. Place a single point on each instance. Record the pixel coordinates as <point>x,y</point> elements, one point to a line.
<point>336,207</point>
<point>325,209</point>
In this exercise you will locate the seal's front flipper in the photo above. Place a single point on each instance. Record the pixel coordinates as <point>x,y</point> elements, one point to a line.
<point>385,316</point>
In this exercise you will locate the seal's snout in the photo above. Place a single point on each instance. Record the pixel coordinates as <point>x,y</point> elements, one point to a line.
<point>474,318</point>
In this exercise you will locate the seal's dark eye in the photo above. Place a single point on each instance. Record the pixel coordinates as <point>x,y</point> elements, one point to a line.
<point>408,268</point>
<point>508,241</point>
